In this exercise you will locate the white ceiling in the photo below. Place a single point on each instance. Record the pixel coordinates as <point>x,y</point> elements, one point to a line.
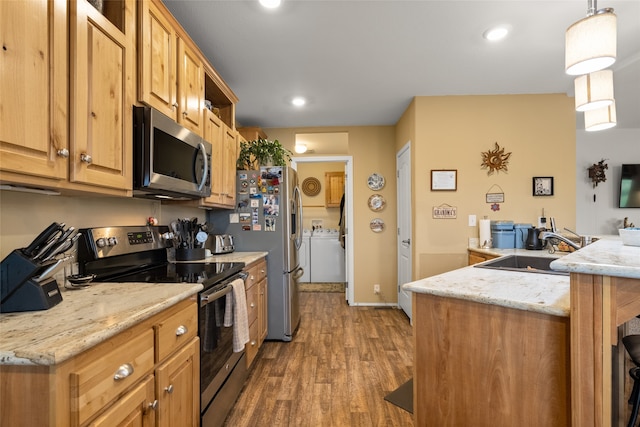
<point>361,62</point>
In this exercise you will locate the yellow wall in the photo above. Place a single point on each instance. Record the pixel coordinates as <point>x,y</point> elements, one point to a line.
<point>313,207</point>
<point>451,133</point>
<point>372,149</point>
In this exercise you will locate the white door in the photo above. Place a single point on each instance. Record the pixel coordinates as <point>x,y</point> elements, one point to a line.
<point>403,170</point>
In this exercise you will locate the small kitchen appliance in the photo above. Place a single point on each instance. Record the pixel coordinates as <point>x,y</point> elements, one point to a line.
<point>533,240</point>
<point>139,254</point>
<point>223,244</point>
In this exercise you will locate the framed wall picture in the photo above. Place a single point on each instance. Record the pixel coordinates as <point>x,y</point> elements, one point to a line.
<point>444,180</point>
<point>543,186</point>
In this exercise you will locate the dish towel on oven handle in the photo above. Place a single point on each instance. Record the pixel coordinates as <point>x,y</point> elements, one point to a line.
<point>236,315</point>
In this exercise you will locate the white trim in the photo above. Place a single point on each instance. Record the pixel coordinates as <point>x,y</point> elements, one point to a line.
<point>348,160</point>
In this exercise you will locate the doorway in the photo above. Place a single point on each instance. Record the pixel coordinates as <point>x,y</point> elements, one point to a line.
<point>347,162</point>
<point>403,168</point>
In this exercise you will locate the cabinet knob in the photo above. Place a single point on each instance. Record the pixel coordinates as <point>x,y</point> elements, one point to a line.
<point>123,372</point>
<point>253,343</point>
<point>85,158</point>
<point>185,113</point>
<point>169,389</point>
<point>262,271</point>
<point>63,152</point>
<point>181,330</point>
<point>174,105</point>
<point>252,305</point>
<point>153,405</point>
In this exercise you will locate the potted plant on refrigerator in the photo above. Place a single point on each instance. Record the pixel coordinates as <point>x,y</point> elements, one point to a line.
<point>261,152</point>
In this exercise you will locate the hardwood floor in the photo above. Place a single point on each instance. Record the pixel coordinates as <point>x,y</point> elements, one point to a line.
<point>338,368</point>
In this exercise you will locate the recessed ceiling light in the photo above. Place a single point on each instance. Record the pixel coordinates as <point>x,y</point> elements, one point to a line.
<point>496,33</point>
<point>298,101</point>
<point>270,4</point>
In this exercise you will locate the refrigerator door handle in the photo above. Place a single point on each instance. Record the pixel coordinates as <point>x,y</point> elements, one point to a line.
<point>298,212</point>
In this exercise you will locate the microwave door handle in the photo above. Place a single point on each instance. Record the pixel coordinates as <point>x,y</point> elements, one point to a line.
<point>205,170</point>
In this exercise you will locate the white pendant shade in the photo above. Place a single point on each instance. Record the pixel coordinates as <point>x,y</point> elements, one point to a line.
<point>600,119</point>
<point>594,90</point>
<point>590,44</point>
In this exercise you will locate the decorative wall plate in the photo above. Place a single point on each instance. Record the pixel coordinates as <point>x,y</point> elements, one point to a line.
<point>375,181</point>
<point>377,202</point>
<point>376,225</point>
<point>311,186</point>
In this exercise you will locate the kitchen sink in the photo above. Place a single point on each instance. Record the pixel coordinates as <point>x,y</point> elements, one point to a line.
<point>523,263</point>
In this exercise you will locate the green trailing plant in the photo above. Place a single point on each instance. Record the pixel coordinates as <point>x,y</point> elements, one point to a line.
<point>262,152</point>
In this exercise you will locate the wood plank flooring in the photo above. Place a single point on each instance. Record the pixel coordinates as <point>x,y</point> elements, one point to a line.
<point>338,368</point>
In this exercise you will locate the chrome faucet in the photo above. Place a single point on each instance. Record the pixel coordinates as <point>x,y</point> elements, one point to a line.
<point>544,235</point>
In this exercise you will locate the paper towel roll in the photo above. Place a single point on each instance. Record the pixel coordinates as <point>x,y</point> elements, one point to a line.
<point>485,233</point>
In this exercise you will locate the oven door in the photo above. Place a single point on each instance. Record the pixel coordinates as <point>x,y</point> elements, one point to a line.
<point>217,359</point>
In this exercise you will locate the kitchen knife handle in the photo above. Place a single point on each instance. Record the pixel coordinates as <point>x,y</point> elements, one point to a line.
<point>42,238</point>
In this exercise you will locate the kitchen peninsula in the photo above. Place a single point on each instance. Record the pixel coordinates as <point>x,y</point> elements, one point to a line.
<point>497,347</point>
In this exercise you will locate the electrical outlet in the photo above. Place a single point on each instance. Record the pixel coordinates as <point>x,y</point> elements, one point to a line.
<point>472,220</point>
<point>376,289</point>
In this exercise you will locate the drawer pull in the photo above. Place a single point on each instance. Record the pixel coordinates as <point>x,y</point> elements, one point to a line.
<point>169,389</point>
<point>262,271</point>
<point>181,330</point>
<point>123,372</point>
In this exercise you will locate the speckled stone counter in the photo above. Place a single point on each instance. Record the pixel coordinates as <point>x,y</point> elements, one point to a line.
<point>604,257</point>
<point>84,318</point>
<point>88,316</point>
<point>538,292</point>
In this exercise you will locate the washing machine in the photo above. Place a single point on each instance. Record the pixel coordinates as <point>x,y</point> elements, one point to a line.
<point>304,256</point>
<point>327,257</point>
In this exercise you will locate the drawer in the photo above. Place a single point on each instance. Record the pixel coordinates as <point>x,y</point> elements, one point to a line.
<point>256,272</point>
<point>253,299</point>
<point>251,348</point>
<point>95,384</point>
<point>176,330</point>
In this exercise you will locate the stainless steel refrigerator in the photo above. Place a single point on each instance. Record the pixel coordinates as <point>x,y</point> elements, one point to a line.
<point>268,217</point>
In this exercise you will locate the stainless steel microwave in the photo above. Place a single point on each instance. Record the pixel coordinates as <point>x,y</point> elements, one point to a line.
<point>169,161</point>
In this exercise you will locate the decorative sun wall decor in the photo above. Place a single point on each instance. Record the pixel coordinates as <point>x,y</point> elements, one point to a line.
<point>495,160</point>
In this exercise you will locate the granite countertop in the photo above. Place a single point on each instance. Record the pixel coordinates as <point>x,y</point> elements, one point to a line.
<point>88,316</point>
<point>605,257</point>
<point>537,292</point>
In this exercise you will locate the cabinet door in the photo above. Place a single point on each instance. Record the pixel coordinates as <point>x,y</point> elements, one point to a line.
<point>213,134</point>
<point>229,168</point>
<point>33,88</point>
<point>101,96</point>
<point>190,88</point>
<point>178,388</point>
<point>158,60</point>
<point>134,409</point>
<point>333,189</point>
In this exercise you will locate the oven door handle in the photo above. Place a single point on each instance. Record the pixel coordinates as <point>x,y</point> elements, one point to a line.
<point>211,296</point>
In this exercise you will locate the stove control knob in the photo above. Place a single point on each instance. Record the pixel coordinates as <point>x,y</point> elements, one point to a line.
<point>112,241</point>
<point>101,242</point>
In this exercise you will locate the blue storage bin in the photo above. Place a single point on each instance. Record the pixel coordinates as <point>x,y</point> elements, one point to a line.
<point>503,239</point>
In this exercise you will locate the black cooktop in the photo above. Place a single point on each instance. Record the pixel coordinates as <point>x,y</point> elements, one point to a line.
<point>207,273</point>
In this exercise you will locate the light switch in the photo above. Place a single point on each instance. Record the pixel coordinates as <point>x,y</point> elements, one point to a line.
<point>472,220</point>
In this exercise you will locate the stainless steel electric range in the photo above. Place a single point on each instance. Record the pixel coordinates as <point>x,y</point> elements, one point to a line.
<point>140,254</point>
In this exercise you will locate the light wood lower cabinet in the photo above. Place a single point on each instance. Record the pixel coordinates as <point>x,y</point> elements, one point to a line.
<point>256,288</point>
<point>125,380</point>
<point>478,257</point>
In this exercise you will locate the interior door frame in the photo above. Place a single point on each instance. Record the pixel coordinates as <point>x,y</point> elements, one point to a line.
<point>348,169</point>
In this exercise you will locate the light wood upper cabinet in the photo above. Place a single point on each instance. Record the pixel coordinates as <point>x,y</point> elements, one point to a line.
<point>190,88</point>
<point>333,189</point>
<point>157,56</point>
<point>102,55</point>
<point>229,167</point>
<point>34,88</point>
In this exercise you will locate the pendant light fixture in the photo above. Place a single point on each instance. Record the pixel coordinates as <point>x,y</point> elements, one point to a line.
<point>600,119</point>
<point>593,91</point>
<point>590,44</point>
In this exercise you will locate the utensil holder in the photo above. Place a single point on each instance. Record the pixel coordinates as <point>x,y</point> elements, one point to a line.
<point>195,254</point>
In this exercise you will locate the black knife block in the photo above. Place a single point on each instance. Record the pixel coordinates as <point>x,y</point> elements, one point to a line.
<point>18,289</point>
